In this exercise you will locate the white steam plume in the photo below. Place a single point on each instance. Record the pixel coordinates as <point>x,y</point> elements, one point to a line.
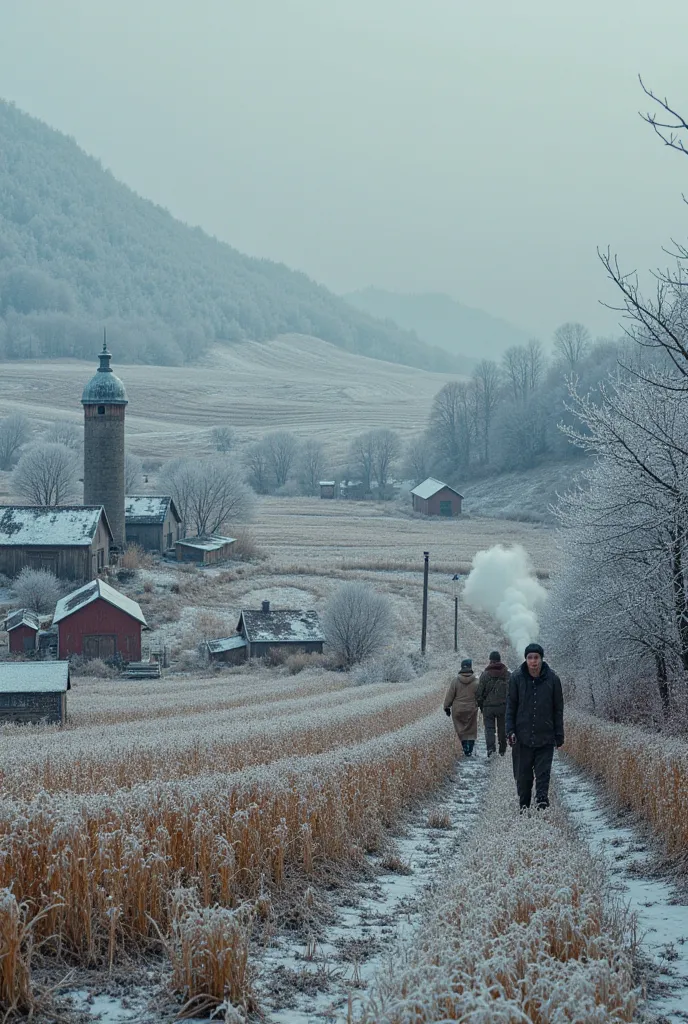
<point>502,584</point>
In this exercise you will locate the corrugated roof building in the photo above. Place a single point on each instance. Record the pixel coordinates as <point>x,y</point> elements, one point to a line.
<point>34,691</point>
<point>434,498</point>
<point>72,541</point>
<point>205,550</point>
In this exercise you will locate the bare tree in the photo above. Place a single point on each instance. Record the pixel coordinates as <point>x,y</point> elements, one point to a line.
<point>387,448</point>
<point>417,459</point>
<point>487,391</point>
<point>362,453</point>
<point>47,474</point>
<point>535,362</point>
<point>67,433</point>
<point>311,462</point>
<point>209,493</point>
<point>37,589</point>
<point>257,462</point>
<point>452,424</point>
<point>222,439</point>
<point>282,448</point>
<point>133,472</point>
<point>15,431</point>
<point>572,342</point>
<point>357,623</point>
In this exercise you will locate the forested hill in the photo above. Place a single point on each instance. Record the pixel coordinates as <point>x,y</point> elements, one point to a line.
<point>79,250</point>
<point>440,320</point>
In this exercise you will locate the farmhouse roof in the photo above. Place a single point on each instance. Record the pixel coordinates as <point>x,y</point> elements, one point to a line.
<point>327,483</point>
<point>280,626</point>
<point>78,599</point>
<point>430,487</point>
<point>148,509</point>
<point>104,387</point>
<point>21,617</point>
<point>206,543</point>
<point>228,643</point>
<point>34,677</point>
<point>66,526</point>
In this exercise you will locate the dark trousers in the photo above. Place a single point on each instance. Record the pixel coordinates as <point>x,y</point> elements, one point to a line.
<point>534,762</point>
<point>490,720</point>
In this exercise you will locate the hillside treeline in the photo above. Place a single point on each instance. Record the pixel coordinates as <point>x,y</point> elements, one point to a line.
<point>79,251</point>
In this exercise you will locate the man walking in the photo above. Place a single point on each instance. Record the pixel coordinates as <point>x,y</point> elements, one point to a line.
<point>491,698</point>
<point>534,720</point>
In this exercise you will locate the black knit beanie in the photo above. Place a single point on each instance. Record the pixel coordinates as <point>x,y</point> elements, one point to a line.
<point>467,665</point>
<point>495,656</point>
<point>534,649</point>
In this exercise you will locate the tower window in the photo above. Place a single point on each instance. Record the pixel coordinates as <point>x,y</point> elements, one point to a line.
<point>101,410</point>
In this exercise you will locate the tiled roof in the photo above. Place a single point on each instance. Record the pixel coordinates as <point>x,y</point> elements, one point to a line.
<point>147,509</point>
<point>33,525</point>
<point>91,592</point>
<point>21,617</point>
<point>430,487</point>
<point>283,625</point>
<point>34,676</point>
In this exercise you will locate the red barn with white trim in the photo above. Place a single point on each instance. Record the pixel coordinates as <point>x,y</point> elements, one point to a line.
<point>96,621</point>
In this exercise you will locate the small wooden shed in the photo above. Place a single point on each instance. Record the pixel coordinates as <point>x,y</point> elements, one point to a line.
<point>72,541</point>
<point>205,550</point>
<point>152,521</point>
<point>327,488</point>
<point>34,691</point>
<point>22,626</point>
<point>231,649</point>
<point>96,621</point>
<point>289,629</point>
<point>435,498</point>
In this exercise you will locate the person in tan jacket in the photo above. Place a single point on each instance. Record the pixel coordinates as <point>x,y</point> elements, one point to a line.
<point>460,703</point>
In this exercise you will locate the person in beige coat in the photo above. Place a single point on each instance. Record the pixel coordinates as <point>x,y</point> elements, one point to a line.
<point>461,704</point>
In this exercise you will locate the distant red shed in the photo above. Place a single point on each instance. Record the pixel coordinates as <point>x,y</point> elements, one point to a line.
<point>22,627</point>
<point>434,498</point>
<point>96,621</point>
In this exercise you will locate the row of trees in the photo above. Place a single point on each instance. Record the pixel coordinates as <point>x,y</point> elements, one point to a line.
<point>618,612</point>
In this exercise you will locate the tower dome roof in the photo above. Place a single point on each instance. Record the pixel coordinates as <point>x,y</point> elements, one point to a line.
<point>104,388</point>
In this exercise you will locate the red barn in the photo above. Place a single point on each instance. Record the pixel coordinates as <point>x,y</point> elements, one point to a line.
<point>434,498</point>
<point>22,627</point>
<point>96,621</point>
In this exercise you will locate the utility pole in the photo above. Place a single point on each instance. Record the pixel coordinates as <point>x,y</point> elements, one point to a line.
<point>455,581</point>
<point>424,632</point>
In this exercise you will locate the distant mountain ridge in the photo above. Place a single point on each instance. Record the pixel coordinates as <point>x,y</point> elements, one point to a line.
<point>79,251</point>
<point>464,332</point>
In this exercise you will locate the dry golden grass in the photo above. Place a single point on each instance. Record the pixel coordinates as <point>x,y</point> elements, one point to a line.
<point>645,772</point>
<point>134,557</point>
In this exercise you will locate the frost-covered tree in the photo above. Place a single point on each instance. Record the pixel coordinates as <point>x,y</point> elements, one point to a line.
<point>15,432</point>
<point>357,623</point>
<point>257,463</point>
<point>133,472</point>
<point>222,439</point>
<point>209,493</point>
<point>282,450</point>
<point>386,450</point>
<point>572,343</point>
<point>67,433</point>
<point>47,474</point>
<point>311,463</point>
<point>37,589</point>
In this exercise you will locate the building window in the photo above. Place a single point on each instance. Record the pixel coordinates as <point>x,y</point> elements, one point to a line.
<point>101,410</point>
<point>101,558</point>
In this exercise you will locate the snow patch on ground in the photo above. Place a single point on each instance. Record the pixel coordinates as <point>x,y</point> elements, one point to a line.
<point>300,984</point>
<point>662,917</point>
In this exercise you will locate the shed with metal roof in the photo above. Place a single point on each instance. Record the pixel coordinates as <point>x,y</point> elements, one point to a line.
<point>97,621</point>
<point>231,649</point>
<point>435,498</point>
<point>34,691</point>
<point>205,550</point>
<point>22,627</point>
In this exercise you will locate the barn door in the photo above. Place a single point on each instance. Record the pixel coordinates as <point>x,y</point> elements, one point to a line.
<point>445,508</point>
<point>99,647</point>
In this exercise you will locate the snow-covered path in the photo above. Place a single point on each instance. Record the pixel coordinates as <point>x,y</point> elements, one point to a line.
<point>297,985</point>
<point>662,916</point>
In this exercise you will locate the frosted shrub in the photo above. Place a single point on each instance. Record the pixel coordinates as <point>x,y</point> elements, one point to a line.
<point>37,589</point>
<point>134,557</point>
<point>357,623</point>
<point>392,667</point>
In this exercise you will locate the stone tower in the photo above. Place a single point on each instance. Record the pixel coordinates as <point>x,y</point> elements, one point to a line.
<point>105,401</point>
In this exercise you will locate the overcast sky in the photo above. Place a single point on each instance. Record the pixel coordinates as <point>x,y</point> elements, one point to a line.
<point>483,148</point>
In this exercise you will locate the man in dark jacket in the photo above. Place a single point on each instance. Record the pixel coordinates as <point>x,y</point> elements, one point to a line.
<point>535,720</point>
<point>491,699</point>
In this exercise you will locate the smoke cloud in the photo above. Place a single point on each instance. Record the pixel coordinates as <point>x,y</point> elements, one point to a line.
<point>502,584</point>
